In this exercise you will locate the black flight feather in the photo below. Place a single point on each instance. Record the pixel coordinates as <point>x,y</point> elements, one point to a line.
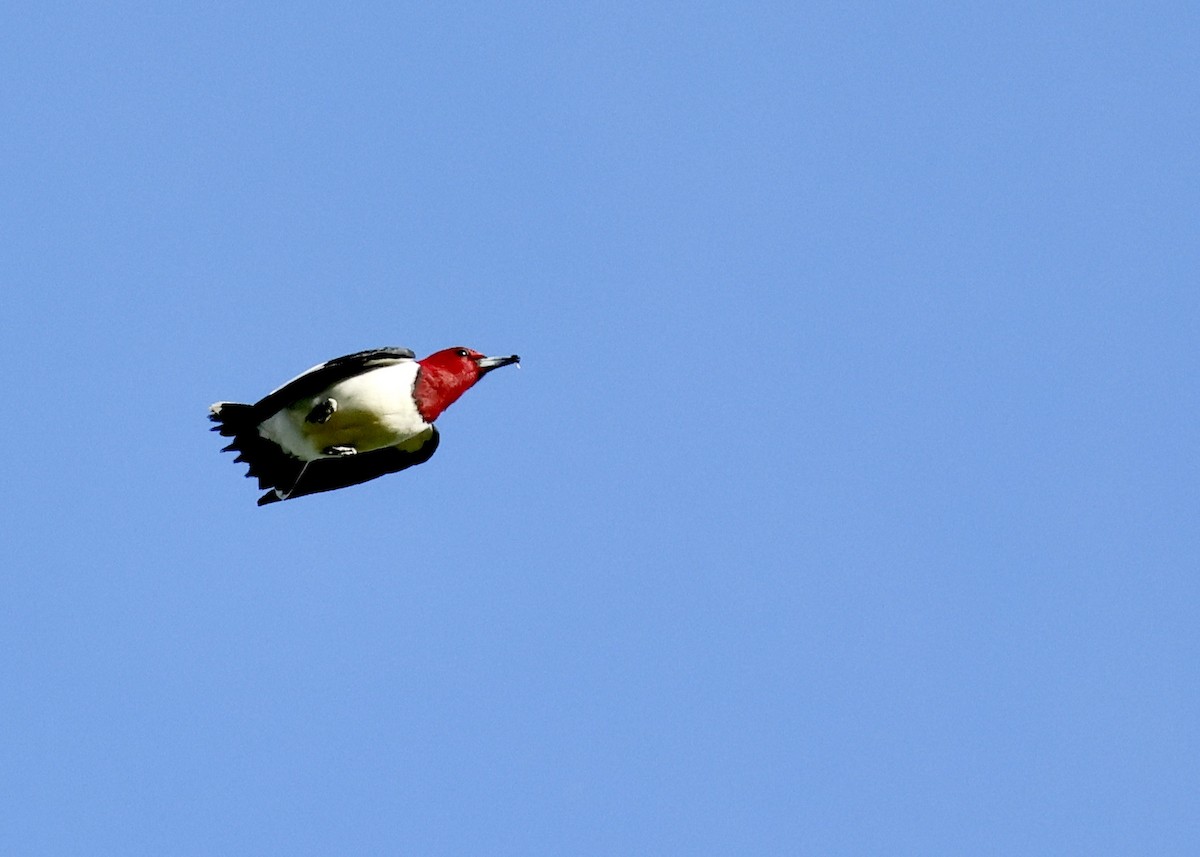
<point>329,474</point>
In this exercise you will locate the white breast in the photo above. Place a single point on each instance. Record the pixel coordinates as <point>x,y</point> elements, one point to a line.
<point>374,410</point>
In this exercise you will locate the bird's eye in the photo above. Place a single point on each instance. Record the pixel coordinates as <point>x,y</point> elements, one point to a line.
<point>461,352</point>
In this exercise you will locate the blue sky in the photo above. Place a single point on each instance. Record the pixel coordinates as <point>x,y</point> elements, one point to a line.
<point>845,502</point>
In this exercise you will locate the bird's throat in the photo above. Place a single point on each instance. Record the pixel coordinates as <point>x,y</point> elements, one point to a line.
<point>436,389</point>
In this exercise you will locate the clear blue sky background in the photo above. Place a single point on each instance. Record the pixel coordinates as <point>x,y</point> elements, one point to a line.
<point>846,502</point>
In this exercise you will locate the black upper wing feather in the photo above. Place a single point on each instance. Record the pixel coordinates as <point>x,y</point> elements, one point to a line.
<point>329,474</point>
<point>330,372</point>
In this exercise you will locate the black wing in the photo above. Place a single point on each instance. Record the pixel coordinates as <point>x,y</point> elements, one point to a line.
<point>330,372</point>
<point>328,474</point>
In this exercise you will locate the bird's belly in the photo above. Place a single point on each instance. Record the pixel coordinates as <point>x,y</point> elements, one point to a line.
<point>373,410</point>
<point>362,429</point>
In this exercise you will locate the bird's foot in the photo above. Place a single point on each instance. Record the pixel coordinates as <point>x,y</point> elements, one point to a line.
<point>339,451</point>
<point>322,411</point>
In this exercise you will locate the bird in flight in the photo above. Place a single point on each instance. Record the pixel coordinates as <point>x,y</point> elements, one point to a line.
<point>350,419</point>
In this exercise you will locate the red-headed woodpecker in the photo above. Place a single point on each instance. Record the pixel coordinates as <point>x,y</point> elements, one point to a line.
<point>349,420</point>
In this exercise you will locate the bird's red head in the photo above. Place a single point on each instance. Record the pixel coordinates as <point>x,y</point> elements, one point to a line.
<point>447,374</point>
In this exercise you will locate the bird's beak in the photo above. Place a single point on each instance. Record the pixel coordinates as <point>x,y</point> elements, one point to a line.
<point>487,364</point>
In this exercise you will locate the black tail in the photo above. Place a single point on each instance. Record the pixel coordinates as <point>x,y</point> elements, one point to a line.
<point>268,463</point>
